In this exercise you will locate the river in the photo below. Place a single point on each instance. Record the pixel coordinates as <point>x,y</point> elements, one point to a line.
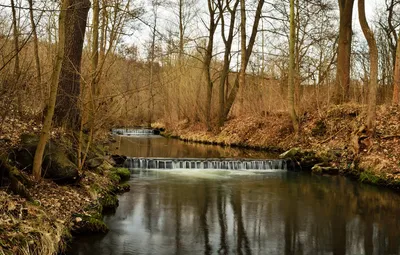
<point>205,211</point>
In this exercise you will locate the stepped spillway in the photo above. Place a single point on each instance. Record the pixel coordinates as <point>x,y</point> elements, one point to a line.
<point>205,163</point>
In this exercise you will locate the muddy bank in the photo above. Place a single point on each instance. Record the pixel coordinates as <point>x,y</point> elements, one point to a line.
<point>331,141</point>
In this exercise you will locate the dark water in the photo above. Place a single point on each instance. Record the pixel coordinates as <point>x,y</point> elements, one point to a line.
<point>239,212</point>
<point>158,146</point>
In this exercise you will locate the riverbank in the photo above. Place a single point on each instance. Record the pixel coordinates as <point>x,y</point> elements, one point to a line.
<point>43,218</point>
<point>45,225</point>
<point>335,137</point>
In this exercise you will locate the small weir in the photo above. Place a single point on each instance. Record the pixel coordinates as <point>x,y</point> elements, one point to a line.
<point>198,199</point>
<point>135,131</point>
<point>209,163</point>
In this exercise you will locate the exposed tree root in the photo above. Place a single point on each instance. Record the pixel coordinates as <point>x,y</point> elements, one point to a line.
<point>18,181</point>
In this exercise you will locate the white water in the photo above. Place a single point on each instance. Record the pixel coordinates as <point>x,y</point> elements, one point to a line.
<point>208,164</point>
<point>131,131</point>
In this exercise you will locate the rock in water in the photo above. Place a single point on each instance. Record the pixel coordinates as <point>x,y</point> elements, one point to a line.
<point>119,160</point>
<point>290,153</point>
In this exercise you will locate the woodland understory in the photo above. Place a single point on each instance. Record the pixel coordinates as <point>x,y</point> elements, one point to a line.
<point>42,217</point>
<point>260,74</point>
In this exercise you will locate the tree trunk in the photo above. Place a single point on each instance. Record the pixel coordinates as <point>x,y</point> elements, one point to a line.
<point>344,52</point>
<point>17,70</point>
<point>67,110</point>
<point>36,50</point>
<point>180,57</point>
<point>243,60</point>
<point>246,57</point>
<point>373,55</point>
<point>94,90</point>
<point>207,61</point>
<point>227,58</point>
<point>45,133</point>
<point>150,106</point>
<point>18,182</point>
<point>95,48</point>
<point>396,75</point>
<point>391,33</point>
<point>181,30</point>
<point>93,93</point>
<point>292,41</point>
<point>103,29</point>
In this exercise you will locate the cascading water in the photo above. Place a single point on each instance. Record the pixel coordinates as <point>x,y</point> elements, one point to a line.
<point>133,131</point>
<point>204,163</point>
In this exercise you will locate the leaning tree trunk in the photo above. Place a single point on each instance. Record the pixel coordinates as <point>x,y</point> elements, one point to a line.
<point>45,134</point>
<point>373,54</point>
<point>244,59</point>
<point>396,75</point>
<point>341,93</point>
<point>67,110</point>
<point>18,182</point>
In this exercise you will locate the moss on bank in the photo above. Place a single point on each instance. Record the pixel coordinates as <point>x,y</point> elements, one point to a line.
<point>386,180</point>
<point>88,223</point>
<point>107,202</point>
<point>119,174</point>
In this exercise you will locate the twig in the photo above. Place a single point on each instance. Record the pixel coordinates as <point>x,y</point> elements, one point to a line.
<point>390,136</point>
<point>330,137</point>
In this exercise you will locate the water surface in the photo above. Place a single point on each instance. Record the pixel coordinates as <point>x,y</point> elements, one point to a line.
<point>158,146</point>
<point>244,212</point>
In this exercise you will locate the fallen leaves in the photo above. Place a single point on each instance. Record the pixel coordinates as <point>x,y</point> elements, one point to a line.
<point>274,130</point>
<point>45,219</point>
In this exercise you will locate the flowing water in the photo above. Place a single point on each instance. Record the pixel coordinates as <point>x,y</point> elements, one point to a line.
<point>182,210</point>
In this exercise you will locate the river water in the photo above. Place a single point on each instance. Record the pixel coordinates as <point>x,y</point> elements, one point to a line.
<point>242,212</point>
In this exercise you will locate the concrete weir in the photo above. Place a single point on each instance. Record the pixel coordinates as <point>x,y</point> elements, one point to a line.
<point>210,163</point>
<point>135,131</point>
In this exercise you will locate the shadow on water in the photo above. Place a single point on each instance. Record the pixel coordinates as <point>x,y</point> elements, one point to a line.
<point>236,212</point>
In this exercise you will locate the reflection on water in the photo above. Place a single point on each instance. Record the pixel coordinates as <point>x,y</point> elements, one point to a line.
<point>220,212</point>
<point>158,146</point>
<point>240,212</point>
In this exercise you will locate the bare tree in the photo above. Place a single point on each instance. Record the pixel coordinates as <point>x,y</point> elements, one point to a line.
<point>373,54</point>
<point>17,69</point>
<point>54,83</point>
<point>36,48</point>
<point>212,26</point>
<point>186,13</point>
<point>227,39</point>
<point>245,57</point>
<point>344,51</point>
<point>292,42</point>
<point>151,60</point>
<point>387,39</point>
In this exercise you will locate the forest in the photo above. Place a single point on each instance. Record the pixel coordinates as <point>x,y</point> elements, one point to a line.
<point>320,77</point>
